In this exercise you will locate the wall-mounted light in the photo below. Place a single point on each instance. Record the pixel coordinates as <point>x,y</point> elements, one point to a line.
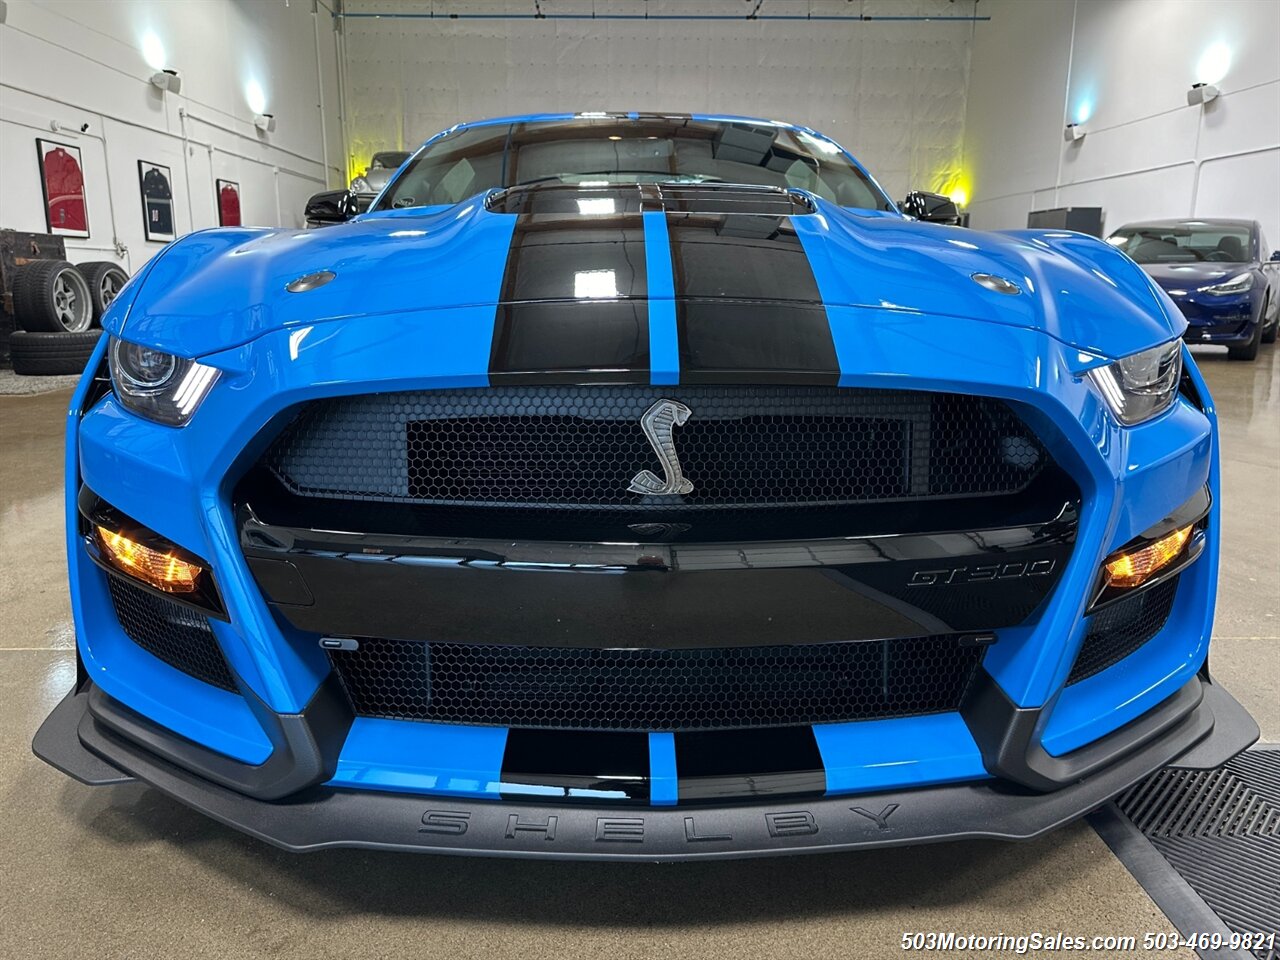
<point>1202,93</point>
<point>1074,132</point>
<point>265,122</point>
<point>167,80</point>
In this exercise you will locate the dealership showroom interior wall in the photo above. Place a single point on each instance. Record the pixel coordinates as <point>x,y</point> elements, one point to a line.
<point>538,546</point>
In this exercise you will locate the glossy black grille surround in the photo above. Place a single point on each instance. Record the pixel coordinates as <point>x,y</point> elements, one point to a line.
<point>1118,630</point>
<point>580,446</point>
<point>171,632</point>
<point>656,690</point>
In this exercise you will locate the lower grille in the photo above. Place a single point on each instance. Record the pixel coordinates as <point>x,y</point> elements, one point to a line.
<point>630,689</point>
<point>170,632</point>
<point>1120,629</point>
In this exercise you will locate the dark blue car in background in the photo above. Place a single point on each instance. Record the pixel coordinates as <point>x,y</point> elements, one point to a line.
<point>1217,273</point>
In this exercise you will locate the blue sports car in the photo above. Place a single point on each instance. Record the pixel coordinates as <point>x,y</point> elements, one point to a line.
<point>647,487</point>
<point>1219,273</point>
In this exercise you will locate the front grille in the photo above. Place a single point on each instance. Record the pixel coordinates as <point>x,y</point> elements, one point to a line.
<point>630,689</point>
<point>581,446</point>
<point>1120,629</point>
<point>178,635</point>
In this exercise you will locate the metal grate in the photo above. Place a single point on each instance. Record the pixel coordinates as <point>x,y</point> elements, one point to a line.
<point>1118,630</point>
<point>1220,829</point>
<point>581,446</point>
<point>178,635</point>
<point>643,689</point>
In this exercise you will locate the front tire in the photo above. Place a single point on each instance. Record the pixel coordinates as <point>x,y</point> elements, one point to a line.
<point>1269,335</point>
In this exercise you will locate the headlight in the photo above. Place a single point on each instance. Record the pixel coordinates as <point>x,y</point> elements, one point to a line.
<point>361,185</point>
<point>1240,284</point>
<point>156,385</point>
<point>1143,385</point>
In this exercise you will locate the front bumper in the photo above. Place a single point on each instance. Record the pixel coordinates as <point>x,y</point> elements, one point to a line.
<point>1200,727</point>
<point>1225,321</point>
<point>277,747</point>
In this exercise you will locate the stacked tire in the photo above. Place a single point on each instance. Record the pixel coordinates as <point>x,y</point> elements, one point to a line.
<point>58,308</point>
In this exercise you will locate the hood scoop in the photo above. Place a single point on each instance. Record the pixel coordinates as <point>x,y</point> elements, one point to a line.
<point>633,198</point>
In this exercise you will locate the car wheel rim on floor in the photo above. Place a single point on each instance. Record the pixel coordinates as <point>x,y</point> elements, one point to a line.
<point>109,288</point>
<point>71,302</point>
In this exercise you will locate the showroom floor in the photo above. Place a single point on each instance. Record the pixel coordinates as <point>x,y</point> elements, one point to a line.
<point>126,872</point>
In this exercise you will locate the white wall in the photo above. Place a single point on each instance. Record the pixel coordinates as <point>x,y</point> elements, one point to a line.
<point>892,92</point>
<point>74,62</point>
<point>1128,65</point>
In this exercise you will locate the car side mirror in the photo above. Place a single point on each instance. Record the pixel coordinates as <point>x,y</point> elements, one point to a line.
<point>1275,254</point>
<point>331,206</point>
<point>931,207</point>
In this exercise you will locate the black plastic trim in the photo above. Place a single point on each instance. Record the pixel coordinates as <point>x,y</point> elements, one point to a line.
<point>864,588</point>
<point>326,817</point>
<point>305,746</point>
<point>1008,736</point>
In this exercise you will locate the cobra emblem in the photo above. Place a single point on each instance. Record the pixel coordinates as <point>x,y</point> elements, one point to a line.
<point>659,423</point>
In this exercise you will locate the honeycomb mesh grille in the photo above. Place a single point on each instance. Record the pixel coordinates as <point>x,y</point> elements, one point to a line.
<point>743,446</point>
<point>630,689</point>
<point>170,632</point>
<point>1118,630</point>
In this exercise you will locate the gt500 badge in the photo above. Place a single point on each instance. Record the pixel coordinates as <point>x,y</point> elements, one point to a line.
<point>985,573</point>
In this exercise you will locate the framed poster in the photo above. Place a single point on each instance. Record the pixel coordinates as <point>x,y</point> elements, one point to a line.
<point>62,180</point>
<point>156,183</point>
<point>228,203</point>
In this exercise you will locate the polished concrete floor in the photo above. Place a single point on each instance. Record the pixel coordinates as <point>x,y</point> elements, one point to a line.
<point>125,872</point>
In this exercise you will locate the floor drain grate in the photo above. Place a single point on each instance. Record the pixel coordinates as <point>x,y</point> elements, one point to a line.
<point>1220,830</point>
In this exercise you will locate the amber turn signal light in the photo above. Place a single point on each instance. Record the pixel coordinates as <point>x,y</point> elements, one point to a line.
<point>162,570</point>
<point>1136,567</point>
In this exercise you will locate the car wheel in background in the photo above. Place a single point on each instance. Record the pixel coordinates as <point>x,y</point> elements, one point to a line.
<point>106,280</point>
<point>51,296</point>
<point>51,354</point>
<point>1269,334</point>
<point>1250,350</point>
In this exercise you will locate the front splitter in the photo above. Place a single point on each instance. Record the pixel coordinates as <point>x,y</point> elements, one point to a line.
<point>72,740</point>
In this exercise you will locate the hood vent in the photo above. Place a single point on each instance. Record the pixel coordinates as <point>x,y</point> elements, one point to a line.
<point>566,198</point>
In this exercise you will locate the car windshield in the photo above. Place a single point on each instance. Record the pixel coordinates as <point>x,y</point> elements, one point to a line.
<point>608,150</point>
<point>388,160</point>
<point>1184,243</point>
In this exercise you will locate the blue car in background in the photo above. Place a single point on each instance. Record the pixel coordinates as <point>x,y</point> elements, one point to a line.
<point>640,487</point>
<point>1220,273</point>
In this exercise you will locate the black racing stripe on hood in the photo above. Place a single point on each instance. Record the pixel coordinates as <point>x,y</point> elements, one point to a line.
<point>574,307</point>
<point>583,765</point>
<point>566,256</point>
<point>776,761</point>
<point>747,303</point>
<point>585,341</point>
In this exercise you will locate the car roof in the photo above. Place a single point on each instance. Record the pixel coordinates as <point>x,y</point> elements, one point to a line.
<point>627,115</point>
<point>1190,221</point>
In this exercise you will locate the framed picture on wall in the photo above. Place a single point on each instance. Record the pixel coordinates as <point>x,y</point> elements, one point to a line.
<point>62,180</point>
<point>228,203</point>
<point>156,184</point>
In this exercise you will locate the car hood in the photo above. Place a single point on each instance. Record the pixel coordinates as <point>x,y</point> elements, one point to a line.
<point>220,288</point>
<point>1189,276</point>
